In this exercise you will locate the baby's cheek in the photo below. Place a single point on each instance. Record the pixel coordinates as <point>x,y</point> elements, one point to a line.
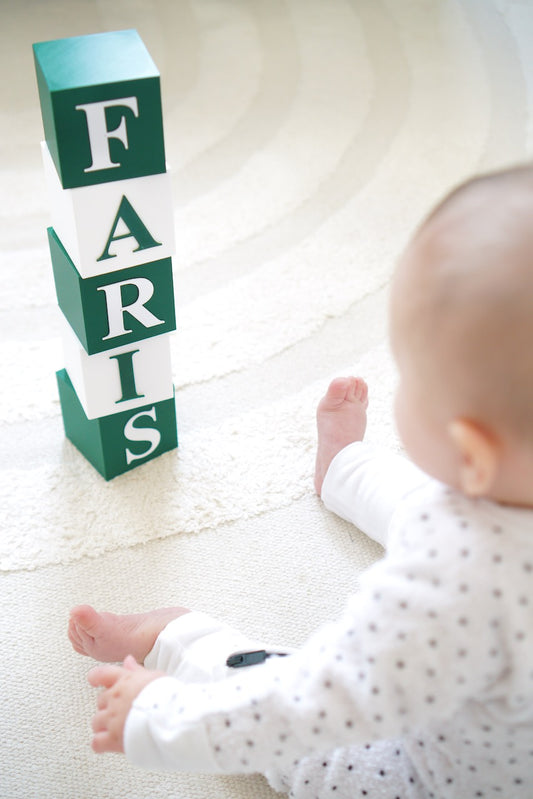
<point>403,418</point>
<point>413,426</point>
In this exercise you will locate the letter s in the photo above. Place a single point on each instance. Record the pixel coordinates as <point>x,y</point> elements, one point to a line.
<point>151,435</point>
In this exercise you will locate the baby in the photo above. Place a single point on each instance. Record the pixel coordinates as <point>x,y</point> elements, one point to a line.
<point>424,686</point>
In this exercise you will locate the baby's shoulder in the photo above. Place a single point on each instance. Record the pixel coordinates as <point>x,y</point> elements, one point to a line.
<point>454,527</point>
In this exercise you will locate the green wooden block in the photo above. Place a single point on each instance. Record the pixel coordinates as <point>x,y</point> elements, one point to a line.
<point>117,443</point>
<point>116,308</point>
<point>101,107</point>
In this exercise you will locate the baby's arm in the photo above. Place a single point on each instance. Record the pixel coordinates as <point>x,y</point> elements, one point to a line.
<point>422,667</point>
<point>193,648</point>
<point>364,485</point>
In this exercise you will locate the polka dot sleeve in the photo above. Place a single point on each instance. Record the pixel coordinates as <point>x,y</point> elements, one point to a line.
<point>421,639</point>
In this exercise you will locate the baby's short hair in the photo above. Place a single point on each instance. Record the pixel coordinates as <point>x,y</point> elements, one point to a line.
<point>477,261</point>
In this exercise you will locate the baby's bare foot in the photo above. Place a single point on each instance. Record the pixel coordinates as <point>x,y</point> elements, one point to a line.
<point>341,420</point>
<point>109,637</point>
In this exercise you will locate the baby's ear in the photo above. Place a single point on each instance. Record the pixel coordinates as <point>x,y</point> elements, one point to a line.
<point>478,455</point>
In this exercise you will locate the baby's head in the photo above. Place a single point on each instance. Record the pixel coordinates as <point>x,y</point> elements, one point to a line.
<point>462,335</point>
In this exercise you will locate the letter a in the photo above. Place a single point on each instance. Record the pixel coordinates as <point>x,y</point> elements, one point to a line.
<point>136,229</point>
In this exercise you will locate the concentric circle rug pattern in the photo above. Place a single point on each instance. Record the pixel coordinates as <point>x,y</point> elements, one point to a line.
<point>306,140</point>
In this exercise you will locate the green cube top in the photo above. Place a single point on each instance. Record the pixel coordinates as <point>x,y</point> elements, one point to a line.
<point>98,58</point>
<point>101,107</point>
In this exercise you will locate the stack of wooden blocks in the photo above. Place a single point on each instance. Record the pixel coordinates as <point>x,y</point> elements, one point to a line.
<point>111,242</point>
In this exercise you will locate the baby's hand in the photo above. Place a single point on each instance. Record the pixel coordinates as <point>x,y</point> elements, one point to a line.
<point>122,684</point>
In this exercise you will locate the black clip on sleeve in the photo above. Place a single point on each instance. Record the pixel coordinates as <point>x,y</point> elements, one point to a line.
<point>240,659</point>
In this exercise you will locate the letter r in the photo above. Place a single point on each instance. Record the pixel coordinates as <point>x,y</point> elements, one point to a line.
<point>116,308</point>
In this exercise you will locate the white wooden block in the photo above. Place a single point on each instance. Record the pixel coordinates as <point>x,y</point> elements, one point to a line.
<point>114,225</point>
<point>119,379</point>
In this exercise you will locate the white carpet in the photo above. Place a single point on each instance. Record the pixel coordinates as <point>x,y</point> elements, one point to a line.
<point>306,139</point>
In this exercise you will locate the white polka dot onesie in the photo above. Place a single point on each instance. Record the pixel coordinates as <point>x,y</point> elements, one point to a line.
<point>423,688</point>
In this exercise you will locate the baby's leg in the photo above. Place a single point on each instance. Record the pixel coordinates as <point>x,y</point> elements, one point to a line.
<point>109,637</point>
<point>341,420</point>
<point>380,770</point>
<point>195,648</point>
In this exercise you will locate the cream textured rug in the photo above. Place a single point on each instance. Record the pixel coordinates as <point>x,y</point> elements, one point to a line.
<point>306,139</point>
